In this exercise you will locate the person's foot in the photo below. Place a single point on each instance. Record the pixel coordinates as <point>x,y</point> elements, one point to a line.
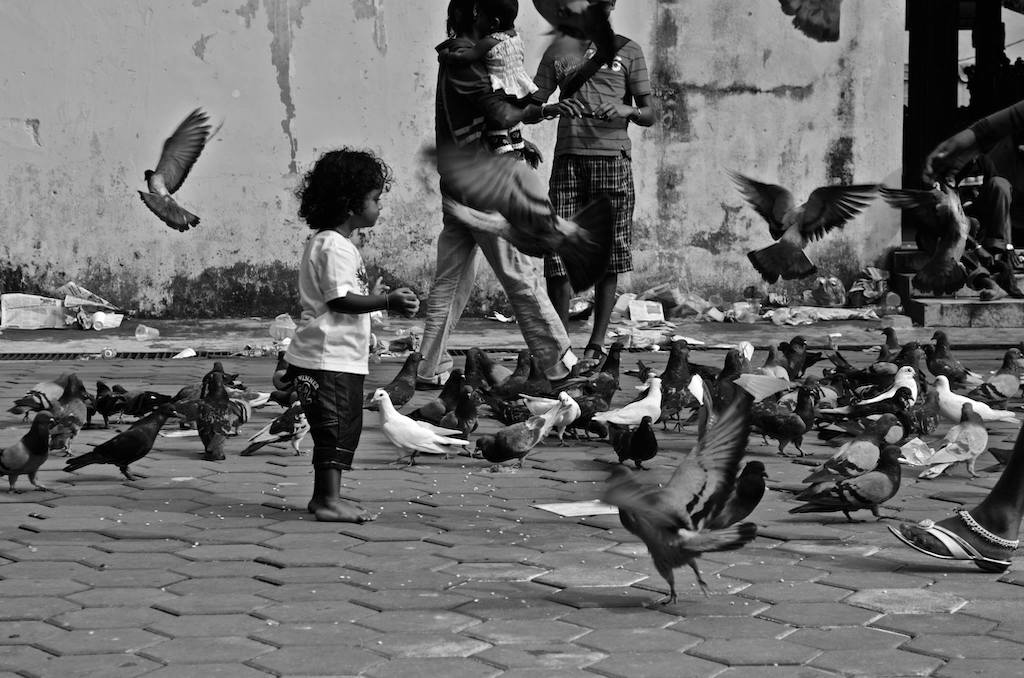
<point>337,510</point>
<point>989,290</point>
<point>1004,277</point>
<point>923,535</point>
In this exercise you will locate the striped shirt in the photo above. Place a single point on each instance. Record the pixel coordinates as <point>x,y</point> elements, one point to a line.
<point>622,82</point>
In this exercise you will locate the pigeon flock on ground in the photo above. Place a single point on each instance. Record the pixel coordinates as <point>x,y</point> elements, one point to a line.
<point>901,410</point>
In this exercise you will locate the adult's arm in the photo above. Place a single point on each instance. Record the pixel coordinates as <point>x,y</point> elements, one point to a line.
<point>990,129</point>
<point>472,81</point>
<point>949,157</point>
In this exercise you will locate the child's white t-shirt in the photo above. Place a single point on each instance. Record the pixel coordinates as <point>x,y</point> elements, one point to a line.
<point>330,268</point>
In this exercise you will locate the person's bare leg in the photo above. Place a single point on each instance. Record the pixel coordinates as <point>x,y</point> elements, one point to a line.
<point>604,301</point>
<point>560,293</point>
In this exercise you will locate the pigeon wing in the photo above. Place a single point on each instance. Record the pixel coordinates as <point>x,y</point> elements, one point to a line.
<point>182,149</point>
<point>830,207</point>
<point>769,200</point>
<point>706,475</point>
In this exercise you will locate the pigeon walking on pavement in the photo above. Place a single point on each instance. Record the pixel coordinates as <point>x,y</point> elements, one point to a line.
<point>127,447</point>
<point>864,492</point>
<point>288,427</point>
<point>951,405</point>
<point>28,454</point>
<point>411,436</point>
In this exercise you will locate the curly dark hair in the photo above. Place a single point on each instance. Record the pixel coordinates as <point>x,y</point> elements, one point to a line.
<point>338,184</point>
<point>504,12</point>
<point>460,17</point>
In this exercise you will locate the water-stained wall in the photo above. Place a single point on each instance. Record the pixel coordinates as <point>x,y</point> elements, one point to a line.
<point>91,90</point>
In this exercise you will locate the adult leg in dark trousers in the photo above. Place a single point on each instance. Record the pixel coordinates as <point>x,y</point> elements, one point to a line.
<point>986,534</point>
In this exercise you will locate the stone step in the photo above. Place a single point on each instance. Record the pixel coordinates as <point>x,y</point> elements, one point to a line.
<point>965,312</point>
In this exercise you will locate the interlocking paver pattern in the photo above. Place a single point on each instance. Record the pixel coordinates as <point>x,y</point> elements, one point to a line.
<point>215,569</point>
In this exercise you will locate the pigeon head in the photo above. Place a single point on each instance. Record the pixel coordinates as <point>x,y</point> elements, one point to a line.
<point>43,421</point>
<point>564,398</point>
<point>754,468</point>
<point>906,372</point>
<point>166,409</point>
<point>941,383</point>
<point>379,396</point>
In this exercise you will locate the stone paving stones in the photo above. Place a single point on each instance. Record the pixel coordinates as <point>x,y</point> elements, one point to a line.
<point>325,660</point>
<point>449,667</point>
<point>877,663</point>
<point>34,607</point>
<point>428,643</point>
<point>961,646</point>
<point>88,666</point>
<point>321,633</point>
<point>207,625</point>
<point>525,631</point>
<point>794,592</point>
<point>753,651</point>
<point>99,641</point>
<point>548,656</point>
<point>408,599</point>
<point>979,668</point>
<point>732,628</point>
<point>222,649</point>
<point>216,569</point>
<point>819,614</point>
<point>231,670</point>
<point>906,601</point>
<point>612,641</point>
<point>655,665</point>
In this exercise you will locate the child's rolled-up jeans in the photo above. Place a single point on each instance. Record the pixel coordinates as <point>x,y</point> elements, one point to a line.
<point>333,404</point>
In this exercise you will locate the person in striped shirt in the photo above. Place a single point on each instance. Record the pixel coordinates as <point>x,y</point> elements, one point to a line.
<point>593,156</point>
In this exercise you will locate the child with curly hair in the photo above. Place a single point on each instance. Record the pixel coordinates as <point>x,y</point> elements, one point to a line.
<point>328,357</point>
<point>502,52</point>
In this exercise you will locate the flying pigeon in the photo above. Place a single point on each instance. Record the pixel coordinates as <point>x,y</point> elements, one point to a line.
<point>794,226</point>
<point>180,152</point>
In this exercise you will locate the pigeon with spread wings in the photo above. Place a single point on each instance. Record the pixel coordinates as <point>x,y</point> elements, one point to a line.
<point>818,19</point>
<point>943,232</point>
<point>581,19</point>
<point>673,520</point>
<point>502,196</point>
<point>794,226</point>
<point>180,152</point>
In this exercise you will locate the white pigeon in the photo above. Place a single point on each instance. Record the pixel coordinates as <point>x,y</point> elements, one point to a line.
<point>963,443</point>
<point>558,417</point>
<point>538,405</point>
<point>951,405</point>
<point>905,376</point>
<point>409,435</point>
<point>633,413</point>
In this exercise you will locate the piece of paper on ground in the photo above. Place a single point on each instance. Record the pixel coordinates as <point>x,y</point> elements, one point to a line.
<point>573,509</point>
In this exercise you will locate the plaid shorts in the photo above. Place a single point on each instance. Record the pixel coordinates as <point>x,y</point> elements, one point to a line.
<point>576,180</point>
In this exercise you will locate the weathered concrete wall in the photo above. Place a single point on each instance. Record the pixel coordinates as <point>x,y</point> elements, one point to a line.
<point>92,89</point>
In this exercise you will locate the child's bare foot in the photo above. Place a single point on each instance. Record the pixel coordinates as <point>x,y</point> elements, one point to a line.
<point>337,510</point>
<point>953,539</point>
